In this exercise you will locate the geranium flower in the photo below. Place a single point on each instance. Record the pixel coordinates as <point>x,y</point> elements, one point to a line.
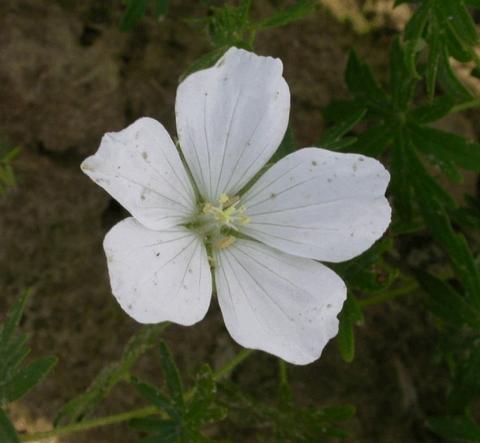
<point>210,217</point>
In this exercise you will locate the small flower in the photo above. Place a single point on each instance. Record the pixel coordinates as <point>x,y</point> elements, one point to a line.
<point>260,239</point>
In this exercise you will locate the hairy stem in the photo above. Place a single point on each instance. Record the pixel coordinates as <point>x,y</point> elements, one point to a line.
<point>129,415</point>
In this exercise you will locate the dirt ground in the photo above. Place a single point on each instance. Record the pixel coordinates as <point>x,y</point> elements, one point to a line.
<point>67,75</point>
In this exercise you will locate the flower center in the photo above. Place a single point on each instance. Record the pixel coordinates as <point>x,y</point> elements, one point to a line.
<point>218,221</point>
<point>226,212</point>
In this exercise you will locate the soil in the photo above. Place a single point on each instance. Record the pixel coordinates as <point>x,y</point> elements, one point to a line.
<point>67,76</point>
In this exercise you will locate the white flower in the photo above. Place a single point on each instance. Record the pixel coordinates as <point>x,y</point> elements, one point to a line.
<point>260,241</point>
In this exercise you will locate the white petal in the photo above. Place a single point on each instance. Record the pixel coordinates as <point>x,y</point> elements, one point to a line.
<point>319,204</point>
<point>158,276</point>
<point>141,168</point>
<point>230,120</point>
<point>278,303</point>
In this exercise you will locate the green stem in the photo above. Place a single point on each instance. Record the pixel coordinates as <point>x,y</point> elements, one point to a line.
<point>233,363</point>
<point>388,295</point>
<point>126,416</point>
<point>90,424</point>
<point>464,106</point>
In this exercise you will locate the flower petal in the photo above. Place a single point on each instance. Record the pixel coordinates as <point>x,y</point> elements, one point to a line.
<point>158,275</point>
<point>319,204</point>
<point>278,303</point>
<point>141,168</point>
<point>230,120</point>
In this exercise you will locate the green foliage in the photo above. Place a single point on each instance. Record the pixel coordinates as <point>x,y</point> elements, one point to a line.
<point>82,406</point>
<point>443,29</point>
<point>135,10</point>
<point>16,378</point>
<point>456,428</point>
<point>422,88</point>
<point>368,273</point>
<point>334,139</point>
<point>186,413</point>
<point>351,315</point>
<point>284,419</point>
<point>7,176</point>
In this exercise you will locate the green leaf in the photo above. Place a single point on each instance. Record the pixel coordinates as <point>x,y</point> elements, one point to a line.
<point>439,107</point>
<point>161,8</point>
<point>172,376</point>
<point>449,81</point>
<point>11,356</point>
<point>13,317</point>
<point>447,303</point>
<point>368,272</point>
<point>351,315</point>
<point>374,141</point>
<point>7,431</point>
<point>362,84</point>
<point>136,9</point>
<point>416,25</point>
<point>402,83</point>
<point>84,404</point>
<point>299,10</point>
<point>434,155</point>
<point>230,25</point>
<point>434,53</point>
<point>333,135</point>
<point>26,379</point>
<point>11,154</point>
<point>158,399</point>
<point>456,428</point>
<point>401,180</point>
<point>447,146</point>
<point>438,222</point>
<point>338,413</point>
<point>421,180</point>
<point>202,408</point>
<point>165,431</point>
<point>458,19</point>
<point>454,46</point>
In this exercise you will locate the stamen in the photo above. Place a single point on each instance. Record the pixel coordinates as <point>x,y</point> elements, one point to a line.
<point>225,242</point>
<point>225,214</point>
<point>224,198</point>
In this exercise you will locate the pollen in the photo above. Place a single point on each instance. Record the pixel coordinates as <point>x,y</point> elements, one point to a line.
<point>226,213</point>
<point>225,242</point>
